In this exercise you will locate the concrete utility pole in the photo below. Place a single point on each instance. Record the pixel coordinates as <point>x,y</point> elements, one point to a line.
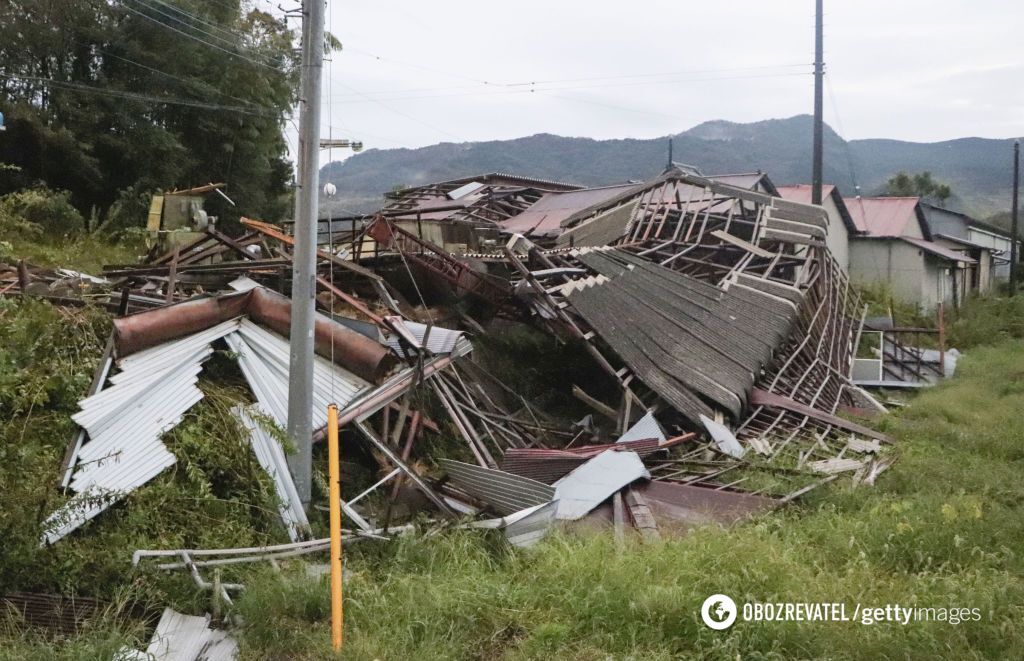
<point>300,375</point>
<point>819,105</point>
<point>1013,218</point>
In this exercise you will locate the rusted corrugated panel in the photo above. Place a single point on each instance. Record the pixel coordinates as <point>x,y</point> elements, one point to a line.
<point>54,613</point>
<point>693,505</point>
<point>548,466</point>
<point>545,216</point>
<point>357,353</point>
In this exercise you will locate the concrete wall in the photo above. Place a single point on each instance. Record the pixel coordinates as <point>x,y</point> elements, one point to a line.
<point>911,274</point>
<point>888,261</point>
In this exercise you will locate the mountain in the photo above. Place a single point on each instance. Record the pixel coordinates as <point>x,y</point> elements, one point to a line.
<point>977,169</point>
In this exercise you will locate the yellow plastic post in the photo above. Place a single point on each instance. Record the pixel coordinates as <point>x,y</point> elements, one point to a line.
<point>337,615</point>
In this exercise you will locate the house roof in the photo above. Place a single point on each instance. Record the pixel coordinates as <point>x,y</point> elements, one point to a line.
<point>939,251</point>
<point>545,216</point>
<point>967,242</point>
<point>802,193</point>
<point>887,216</point>
<point>748,180</point>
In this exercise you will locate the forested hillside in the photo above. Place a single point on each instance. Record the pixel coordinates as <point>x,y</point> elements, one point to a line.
<point>110,100</point>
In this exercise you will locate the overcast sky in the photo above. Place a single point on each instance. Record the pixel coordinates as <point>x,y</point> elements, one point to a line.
<point>418,73</point>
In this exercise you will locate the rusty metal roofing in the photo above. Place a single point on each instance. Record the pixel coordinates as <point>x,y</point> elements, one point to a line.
<point>549,465</point>
<point>694,505</point>
<point>545,216</point>
<point>56,614</point>
<point>886,216</point>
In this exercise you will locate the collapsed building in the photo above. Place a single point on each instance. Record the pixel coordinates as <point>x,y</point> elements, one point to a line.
<point>726,331</point>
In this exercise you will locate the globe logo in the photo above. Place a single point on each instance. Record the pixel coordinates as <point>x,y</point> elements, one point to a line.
<point>718,612</point>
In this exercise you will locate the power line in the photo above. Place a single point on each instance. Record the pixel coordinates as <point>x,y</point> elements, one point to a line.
<point>398,112</point>
<point>529,90</point>
<point>199,19</point>
<point>202,41</point>
<point>146,98</point>
<point>491,83</point>
<point>234,43</point>
<point>174,77</point>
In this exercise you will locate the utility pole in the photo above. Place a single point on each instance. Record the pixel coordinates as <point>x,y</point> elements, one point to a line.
<point>1013,218</point>
<point>819,105</point>
<point>300,366</point>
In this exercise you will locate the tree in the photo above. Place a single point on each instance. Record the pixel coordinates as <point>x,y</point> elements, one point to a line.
<point>145,94</point>
<point>918,185</point>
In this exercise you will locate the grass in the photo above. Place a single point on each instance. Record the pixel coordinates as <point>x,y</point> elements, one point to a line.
<point>87,253</point>
<point>943,528</point>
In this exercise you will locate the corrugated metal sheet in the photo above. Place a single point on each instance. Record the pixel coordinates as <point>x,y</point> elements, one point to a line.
<point>151,394</point>
<point>439,341</point>
<point>723,437</point>
<point>264,356</point>
<point>271,457</point>
<point>54,613</point>
<point>529,526</point>
<point>644,428</point>
<point>685,338</point>
<point>181,637</point>
<point>689,504</point>
<point>883,216</point>
<point>548,466</point>
<point>504,492</point>
<point>124,423</point>
<point>592,483</point>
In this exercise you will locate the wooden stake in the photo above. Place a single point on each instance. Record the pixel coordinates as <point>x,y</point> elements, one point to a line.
<point>337,614</point>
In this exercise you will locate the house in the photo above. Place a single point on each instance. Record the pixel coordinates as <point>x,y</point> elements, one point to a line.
<point>951,226</point>
<point>465,215</point>
<point>840,223</point>
<point>895,245</point>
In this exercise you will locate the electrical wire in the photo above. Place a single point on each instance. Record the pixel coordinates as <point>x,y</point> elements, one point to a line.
<point>173,76</point>
<point>234,42</point>
<point>499,91</point>
<point>199,19</point>
<point>201,41</point>
<point>401,113</point>
<point>135,96</point>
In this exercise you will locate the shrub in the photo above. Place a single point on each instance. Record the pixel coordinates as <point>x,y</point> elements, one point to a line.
<point>48,209</point>
<point>129,210</point>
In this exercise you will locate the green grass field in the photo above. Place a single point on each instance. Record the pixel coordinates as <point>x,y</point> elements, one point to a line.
<point>943,528</point>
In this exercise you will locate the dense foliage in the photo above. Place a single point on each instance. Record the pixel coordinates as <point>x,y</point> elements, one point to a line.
<point>136,95</point>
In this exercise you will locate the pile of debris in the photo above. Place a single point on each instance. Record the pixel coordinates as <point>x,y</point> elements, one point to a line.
<point>715,312</point>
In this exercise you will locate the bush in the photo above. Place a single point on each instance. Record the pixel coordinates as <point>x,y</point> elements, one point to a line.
<point>48,209</point>
<point>129,210</point>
